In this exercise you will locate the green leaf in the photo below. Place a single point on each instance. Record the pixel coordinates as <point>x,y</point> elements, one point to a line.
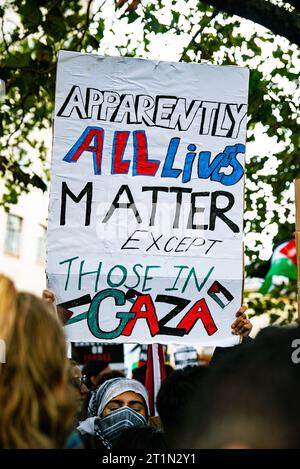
<point>132,16</point>
<point>153,23</point>
<point>73,20</point>
<point>29,102</point>
<point>93,41</point>
<point>55,24</point>
<point>37,181</point>
<point>175,18</point>
<point>100,30</point>
<point>17,60</point>
<point>32,15</point>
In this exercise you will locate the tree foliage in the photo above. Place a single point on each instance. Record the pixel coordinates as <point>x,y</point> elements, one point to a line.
<point>280,17</point>
<point>33,31</point>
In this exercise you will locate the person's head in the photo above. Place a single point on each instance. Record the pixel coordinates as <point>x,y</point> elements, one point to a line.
<point>145,437</point>
<point>139,373</point>
<point>109,374</point>
<point>118,393</point>
<point>35,406</point>
<point>248,399</point>
<point>92,369</point>
<point>77,381</point>
<point>118,404</point>
<point>173,398</point>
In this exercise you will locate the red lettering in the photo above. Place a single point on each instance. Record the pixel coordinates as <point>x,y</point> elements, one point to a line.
<point>143,308</point>
<point>83,144</point>
<point>201,311</point>
<point>142,166</point>
<point>120,141</point>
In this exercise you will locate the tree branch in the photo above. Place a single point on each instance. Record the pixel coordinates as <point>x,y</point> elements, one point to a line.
<point>197,34</point>
<point>278,20</point>
<point>293,3</point>
<point>87,23</point>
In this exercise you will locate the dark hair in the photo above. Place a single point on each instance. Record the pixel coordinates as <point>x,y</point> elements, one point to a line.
<point>249,399</point>
<point>172,399</point>
<point>93,368</point>
<point>139,373</point>
<point>106,375</point>
<point>145,437</point>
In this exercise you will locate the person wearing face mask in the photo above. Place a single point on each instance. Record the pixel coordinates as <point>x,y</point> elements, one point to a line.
<point>118,404</point>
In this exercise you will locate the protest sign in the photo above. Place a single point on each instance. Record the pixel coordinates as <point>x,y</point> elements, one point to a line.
<point>185,356</point>
<point>146,202</point>
<point>85,352</point>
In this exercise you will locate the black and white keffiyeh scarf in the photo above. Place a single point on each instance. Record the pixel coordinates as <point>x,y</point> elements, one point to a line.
<point>107,429</point>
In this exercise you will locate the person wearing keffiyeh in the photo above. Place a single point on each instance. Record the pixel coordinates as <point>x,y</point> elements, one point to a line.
<point>116,405</point>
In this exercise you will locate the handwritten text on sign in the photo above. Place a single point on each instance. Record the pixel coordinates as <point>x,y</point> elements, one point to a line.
<point>146,203</point>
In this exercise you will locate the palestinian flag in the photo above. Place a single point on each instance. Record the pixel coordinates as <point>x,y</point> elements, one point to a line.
<point>283,264</point>
<point>155,374</point>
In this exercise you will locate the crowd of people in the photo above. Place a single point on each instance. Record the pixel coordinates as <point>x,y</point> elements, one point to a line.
<point>245,398</point>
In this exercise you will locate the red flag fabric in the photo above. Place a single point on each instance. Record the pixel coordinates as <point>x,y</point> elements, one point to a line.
<point>290,251</point>
<point>155,373</point>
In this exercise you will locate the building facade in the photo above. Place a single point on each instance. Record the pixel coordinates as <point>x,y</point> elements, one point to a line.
<point>23,242</point>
